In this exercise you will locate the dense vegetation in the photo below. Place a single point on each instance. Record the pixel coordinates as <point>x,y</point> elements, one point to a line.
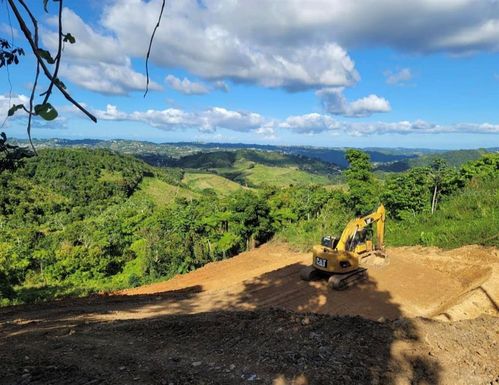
<point>79,220</point>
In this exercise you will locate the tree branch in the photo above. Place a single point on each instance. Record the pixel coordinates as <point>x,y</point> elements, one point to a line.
<point>34,48</point>
<point>57,58</point>
<point>150,45</point>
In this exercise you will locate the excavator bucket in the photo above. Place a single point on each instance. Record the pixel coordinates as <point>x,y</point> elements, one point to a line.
<point>376,258</point>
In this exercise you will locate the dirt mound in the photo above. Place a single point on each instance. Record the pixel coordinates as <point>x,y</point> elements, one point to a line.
<point>262,347</point>
<point>450,285</point>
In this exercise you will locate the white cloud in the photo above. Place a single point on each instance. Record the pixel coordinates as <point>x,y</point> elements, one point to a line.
<point>7,102</point>
<point>206,45</point>
<point>454,26</point>
<point>288,44</point>
<point>96,61</point>
<point>316,123</point>
<point>210,120</point>
<point>218,117</point>
<point>336,103</point>
<point>398,77</point>
<point>186,86</point>
<point>309,123</point>
<point>205,121</point>
<point>106,78</point>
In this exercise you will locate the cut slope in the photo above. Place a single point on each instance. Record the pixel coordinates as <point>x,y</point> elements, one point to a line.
<point>417,282</point>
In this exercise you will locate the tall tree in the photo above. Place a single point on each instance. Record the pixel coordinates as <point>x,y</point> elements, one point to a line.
<point>363,187</point>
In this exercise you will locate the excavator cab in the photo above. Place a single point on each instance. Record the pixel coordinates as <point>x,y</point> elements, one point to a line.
<point>329,241</point>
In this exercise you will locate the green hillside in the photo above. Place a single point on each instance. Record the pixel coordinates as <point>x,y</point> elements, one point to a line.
<point>260,175</point>
<point>452,158</point>
<point>257,168</point>
<point>162,193</point>
<point>206,181</point>
<point>76,221</point>
<point>470,217</point>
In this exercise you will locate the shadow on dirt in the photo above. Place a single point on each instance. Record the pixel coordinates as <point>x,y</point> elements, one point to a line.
<point>63,341</point>
<point>361,347</point>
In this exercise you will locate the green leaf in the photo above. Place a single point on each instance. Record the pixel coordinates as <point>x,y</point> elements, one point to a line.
<point>14,108</point>
<point>44,54</point>
<point>68,38</point>
<point>46,111</point>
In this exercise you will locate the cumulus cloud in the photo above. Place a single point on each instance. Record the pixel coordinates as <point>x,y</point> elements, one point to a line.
<point>210,120</point>
<point>336,103</point>
<point>97,61</point>
<point>453,26</point>
<point>278,44</point>
<point>6,102</point>
<point>317,123</point>
<point>106,78</point>
<point>186,86</point>
<point>207,121</point>
<point>206,45</point>
<point>309,124</point>
<point>398,77</point>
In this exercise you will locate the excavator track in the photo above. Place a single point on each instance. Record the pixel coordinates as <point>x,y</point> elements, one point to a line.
<point>308,273</point>
<point>343,281</point>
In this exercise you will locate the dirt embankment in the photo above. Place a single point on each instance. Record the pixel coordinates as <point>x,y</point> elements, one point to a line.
<point>455,284</point>
<point>251,319</point>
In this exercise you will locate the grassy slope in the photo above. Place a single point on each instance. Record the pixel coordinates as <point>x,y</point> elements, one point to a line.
<point>257,168</point>
<point>162,193</point>
<point>281,176</point>
<point>469,217</point>
<point>202,181</point>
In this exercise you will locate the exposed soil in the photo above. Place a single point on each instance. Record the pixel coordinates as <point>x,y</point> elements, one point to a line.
<point>251,319</point>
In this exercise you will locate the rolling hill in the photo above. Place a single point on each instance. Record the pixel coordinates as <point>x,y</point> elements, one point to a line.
<point>452,158</point>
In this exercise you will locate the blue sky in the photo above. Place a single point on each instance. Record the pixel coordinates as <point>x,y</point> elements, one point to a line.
<point>323,73</point>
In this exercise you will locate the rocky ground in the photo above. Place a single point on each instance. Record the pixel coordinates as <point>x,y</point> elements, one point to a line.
<point>262,347</point>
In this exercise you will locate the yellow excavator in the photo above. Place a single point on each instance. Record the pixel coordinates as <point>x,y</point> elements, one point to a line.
<point>341,258</point>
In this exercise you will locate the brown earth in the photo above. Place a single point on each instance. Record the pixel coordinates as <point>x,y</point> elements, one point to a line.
<point>251,319</point>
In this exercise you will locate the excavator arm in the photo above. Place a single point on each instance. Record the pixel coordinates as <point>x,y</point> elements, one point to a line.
<point>358,224</point>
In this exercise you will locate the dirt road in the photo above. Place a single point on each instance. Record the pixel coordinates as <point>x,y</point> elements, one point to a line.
<point>248,319</point>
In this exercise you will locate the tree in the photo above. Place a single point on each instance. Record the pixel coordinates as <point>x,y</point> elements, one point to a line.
<point>485,167</point>
<point>362,195</point>
<point>445,180</point>
<point>408,192</point>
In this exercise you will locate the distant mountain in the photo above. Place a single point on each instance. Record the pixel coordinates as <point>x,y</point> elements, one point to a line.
<point>149,151</point>
<point>164,154</point>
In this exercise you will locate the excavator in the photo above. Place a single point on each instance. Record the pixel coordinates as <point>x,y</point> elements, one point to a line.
<point>341,258</point>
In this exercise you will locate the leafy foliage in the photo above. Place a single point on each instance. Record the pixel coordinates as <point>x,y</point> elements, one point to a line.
<point>363,188</point>
<point>76,220</point>
<point>8,54</point>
